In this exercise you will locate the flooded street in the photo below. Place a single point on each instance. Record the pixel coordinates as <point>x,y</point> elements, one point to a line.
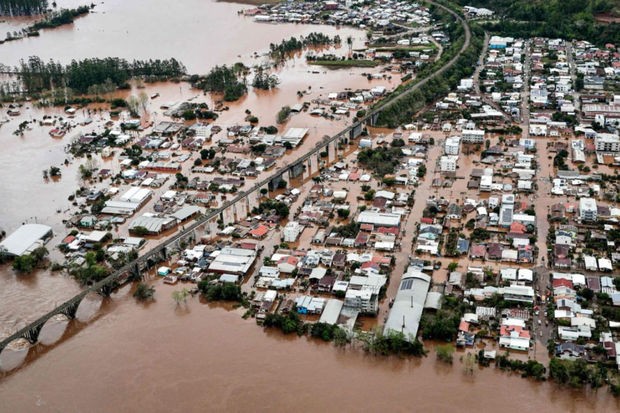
<point>25,297</point>
<point>195,358</point>
<point>198,357</point>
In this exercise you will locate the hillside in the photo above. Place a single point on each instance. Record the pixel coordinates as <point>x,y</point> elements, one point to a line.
<point>570,19</point>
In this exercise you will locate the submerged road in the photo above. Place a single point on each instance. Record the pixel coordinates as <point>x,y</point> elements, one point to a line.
<point>31,331</point>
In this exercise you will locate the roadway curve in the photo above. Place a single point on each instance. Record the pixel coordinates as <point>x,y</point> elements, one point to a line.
<point>121,274</point>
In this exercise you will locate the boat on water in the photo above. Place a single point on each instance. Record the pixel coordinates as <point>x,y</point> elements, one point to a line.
<point>154,96</point>
<point>171,279</point>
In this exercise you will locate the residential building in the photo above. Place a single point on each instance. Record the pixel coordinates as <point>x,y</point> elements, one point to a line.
<point>291,231</point>
<point>588,210</point>
<point>607,142</point>
<point>448,163</point>
<point>472,136</point>
<point>452,145</point>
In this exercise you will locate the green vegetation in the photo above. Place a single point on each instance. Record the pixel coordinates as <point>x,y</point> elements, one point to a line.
<point>220,292</point>
<point>268,205</point>
<point>223,79</point>
<point>92,271</point>
<point>445,353</point>
<point>349,230</point>
<point>289,323</point>
<point>180,296</point>
<point>324,331</point>
<point>343,213</point>
<point>29,262</point>
<point>559,161</point>
<point>393,343</point>
<point>60,18</point>
<point>568,19</point>
<point>283,115</point>
<point>79,76</point>
<point>22,7</point>
<point>531,368</point>
<point>577,373</point>
<point>263,80</point>
<point>280,52</point>
<point>443,325</point>
<point>342,62</point>
<point>480,234</point>
<point>440,326</point>
<point>421,173</point>
<point>403,110</point>
<point>144,292</point>
<point>382,161</point>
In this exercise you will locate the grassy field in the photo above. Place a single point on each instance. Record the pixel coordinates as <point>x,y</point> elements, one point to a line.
<point>344,63</point>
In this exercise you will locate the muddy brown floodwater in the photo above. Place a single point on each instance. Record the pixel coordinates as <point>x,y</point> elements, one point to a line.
<point>162,358</point>
<point>122,356</point>
<point>145,29</point>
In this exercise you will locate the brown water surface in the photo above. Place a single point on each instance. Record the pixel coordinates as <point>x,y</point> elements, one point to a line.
<point>194,358</point>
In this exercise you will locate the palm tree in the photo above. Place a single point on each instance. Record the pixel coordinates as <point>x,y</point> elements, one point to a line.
<point>350,44</point>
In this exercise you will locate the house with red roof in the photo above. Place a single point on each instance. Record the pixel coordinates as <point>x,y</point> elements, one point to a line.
<point>260,231</point>
<point>514,337</point>
<point>287,264</point>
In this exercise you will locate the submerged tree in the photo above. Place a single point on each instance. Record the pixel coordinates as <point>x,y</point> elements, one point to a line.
<point>144,292</point>
<point>180,296</point>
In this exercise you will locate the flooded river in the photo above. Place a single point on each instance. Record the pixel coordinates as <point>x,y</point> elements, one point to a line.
<point>159,357</point>
<point>24,298</point>
<point>162,358</point>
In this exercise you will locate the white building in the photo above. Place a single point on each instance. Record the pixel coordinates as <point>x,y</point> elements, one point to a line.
<point>448,163</point>
<point>472,136</point>
<point>379,219</point>
<point>607,142</point>
<point>451,147</point>
<point>408,304</point>
<point>588,210</point>
<point>291,231</point>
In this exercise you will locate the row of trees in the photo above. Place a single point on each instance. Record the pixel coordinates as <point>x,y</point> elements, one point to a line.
<point>60,18</point>
<point>36,75</point>
<point>265,207</point>
<point>22,7</point>
<point>406,107</point>
<point>223,79</point>
<point>282,50</point>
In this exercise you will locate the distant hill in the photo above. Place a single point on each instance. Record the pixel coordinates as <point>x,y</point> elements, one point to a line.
<point>570,19</point>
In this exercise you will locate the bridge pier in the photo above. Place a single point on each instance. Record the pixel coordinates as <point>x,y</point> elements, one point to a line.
<point>356,131</point>
<point>273,184</point>
<point>136,275</point>
<point>374,117</point>
<point>32,335</point>
<point>71,310</point>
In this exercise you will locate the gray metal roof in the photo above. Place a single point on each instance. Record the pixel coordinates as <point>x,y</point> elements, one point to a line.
<point>25,239</point>
<point>408,304</point>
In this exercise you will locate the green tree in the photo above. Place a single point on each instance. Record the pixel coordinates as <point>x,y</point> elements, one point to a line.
<point>180,296</point>
<point>445,353</point>
<point>144,292</point>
